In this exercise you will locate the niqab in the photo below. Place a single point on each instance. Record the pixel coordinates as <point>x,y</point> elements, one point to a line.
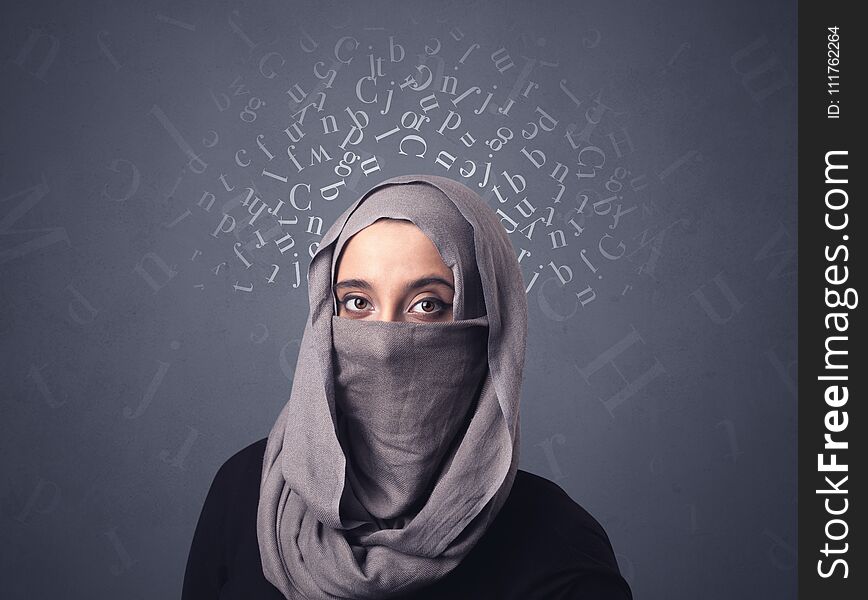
<point>399,443</point>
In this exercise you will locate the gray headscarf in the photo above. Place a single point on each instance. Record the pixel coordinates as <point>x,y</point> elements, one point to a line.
<point>400,442</point>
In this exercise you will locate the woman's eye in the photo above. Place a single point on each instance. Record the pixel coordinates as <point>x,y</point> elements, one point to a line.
<point>430,305</point>
<point>355,303</point>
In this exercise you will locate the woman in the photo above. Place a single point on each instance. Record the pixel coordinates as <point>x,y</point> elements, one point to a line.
<point>392,471</point>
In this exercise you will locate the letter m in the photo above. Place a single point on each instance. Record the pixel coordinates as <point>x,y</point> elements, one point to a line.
<point>832,167</point>
<point>17,243</point>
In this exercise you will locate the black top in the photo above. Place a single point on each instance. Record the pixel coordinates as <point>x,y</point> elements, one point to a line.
<point>541,545</point>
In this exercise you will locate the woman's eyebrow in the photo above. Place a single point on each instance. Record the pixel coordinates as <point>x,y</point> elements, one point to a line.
<point>412,285</point>
<point>353,283</point>
<point>428,280</point>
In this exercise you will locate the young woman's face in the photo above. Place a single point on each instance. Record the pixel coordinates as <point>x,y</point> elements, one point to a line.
<point>391,271</point>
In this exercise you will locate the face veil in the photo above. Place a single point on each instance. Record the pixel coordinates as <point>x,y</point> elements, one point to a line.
<point>399,443</point>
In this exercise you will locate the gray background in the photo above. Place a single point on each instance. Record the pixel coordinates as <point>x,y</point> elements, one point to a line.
<point>666,405</point>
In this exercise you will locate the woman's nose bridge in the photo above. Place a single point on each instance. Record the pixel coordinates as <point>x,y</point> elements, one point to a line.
<point>391,312</point>
<point>392,298</point>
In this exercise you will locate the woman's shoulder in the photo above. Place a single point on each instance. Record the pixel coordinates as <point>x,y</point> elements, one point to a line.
<point>237,479</point>
<point>244,461</point>
<point>541,544</point>
<point>562,537</point>
<point>228,516</point>
<point>548,500</point>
